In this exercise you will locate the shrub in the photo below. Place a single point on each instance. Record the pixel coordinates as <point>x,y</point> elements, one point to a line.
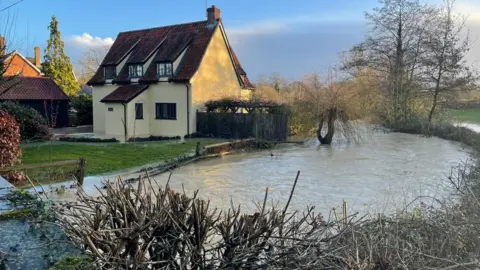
<point>194,135</point>
<point>445,131</point>
<point>172,228</point>
<point>153,138</point>
<point>9,145</point>
<point>83,105</point>
<point>86,139</point>
<point>73,263</point>
<point>33,126</point>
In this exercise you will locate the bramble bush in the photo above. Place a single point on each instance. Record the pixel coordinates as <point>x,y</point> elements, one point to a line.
<point>33,126</point>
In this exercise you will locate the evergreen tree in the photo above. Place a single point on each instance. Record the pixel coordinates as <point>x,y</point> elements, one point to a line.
<point>57,64</point>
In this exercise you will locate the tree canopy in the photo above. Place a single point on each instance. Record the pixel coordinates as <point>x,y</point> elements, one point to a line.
<point>57,64</point>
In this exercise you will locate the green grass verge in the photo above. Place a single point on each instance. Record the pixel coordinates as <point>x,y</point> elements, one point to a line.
<point>465,115</point>
<point>102,158</point>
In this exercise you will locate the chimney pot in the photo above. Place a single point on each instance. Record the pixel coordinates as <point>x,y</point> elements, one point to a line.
<point>213,14</point>
<point>3,47</point>
<point>37,57</point>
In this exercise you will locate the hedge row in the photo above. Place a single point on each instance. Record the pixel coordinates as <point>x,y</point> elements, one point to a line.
<point>153,138</point>
<point>197,135</point>
<point>86,139</point>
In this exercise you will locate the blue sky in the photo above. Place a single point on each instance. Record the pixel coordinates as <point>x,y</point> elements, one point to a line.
<point>292,38</point>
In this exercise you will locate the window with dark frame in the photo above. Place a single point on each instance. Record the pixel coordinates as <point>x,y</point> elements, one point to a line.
<point>166,111</point>
<point>138,111</point>
<point>110,72</point>
<point>135,71</point>
<point>110,109</point>
<point>164,69</point>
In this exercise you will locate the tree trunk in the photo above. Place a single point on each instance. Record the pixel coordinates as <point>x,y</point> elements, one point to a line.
<point>434,105</point>
<point>331,118</point>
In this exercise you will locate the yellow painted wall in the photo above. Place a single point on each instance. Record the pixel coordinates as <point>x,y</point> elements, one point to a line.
<point>99,108</point>
<point>246,94</point>
<point>216,77</point>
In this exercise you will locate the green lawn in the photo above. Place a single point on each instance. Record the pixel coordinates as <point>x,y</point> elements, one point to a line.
<point>466,115</point>
<point>103,158</point>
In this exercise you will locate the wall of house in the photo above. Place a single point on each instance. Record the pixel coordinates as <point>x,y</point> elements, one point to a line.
<point>109,124</point>
<point>114,121</point>
<point>140,127</point>
<point>99,109</point>
<point>17,65</point>
<point>216,77</point>
<point>168,93</point>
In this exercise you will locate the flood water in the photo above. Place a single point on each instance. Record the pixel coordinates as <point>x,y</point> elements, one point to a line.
<point>385,171</point>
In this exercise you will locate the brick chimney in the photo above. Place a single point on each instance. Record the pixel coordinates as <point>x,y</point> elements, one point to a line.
<point>37,57</point>
<point>213,14</point>
<point>3,48</point>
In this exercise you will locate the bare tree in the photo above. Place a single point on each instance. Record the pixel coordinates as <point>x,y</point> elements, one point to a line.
<point>90,62</point>
<point>445,68</point>
<point>393,49</point>
<point>8,44</point>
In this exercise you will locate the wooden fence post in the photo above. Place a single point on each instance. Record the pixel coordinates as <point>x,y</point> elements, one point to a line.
<point>81,173</point>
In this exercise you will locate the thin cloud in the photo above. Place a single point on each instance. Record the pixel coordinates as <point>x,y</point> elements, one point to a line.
<point>88,41</point>
<point>260,28</point>
<point>470,9</point>
<point>275,26</point>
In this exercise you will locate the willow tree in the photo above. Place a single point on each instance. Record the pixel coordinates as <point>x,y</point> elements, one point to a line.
<point>57,64</point>
<point>325,105</point>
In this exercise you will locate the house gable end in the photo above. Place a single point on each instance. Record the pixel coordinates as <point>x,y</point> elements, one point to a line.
<point>16,64</point>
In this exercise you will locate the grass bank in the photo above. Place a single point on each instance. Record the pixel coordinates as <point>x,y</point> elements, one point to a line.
<point>102,158</point>
<point>465,115</point>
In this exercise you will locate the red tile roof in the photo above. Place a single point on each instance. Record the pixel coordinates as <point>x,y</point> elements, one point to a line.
<point>125,93</point>
<point>30,88</point>
<point>164,44</point>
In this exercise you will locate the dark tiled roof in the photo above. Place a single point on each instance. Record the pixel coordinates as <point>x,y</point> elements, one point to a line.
<point>125,93</point>
<point>163,44</point>
<point>241,72</point>
<point>30,88</point>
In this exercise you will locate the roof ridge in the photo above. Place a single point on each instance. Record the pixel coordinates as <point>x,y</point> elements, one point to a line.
<point>165,26</point>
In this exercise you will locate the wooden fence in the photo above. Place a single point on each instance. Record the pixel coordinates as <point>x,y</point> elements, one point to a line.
<point>80,176</point>
<point>270,127</point>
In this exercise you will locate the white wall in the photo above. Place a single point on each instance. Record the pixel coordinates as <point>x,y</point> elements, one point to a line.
<point>137,127</point>
<point>114,121</point>
<point>164,92</point>
<point>99,109</point>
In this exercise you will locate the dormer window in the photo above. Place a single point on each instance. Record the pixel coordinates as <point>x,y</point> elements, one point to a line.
<point>135,71</point>
<point>110,72</point>
<point>164,69</point>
